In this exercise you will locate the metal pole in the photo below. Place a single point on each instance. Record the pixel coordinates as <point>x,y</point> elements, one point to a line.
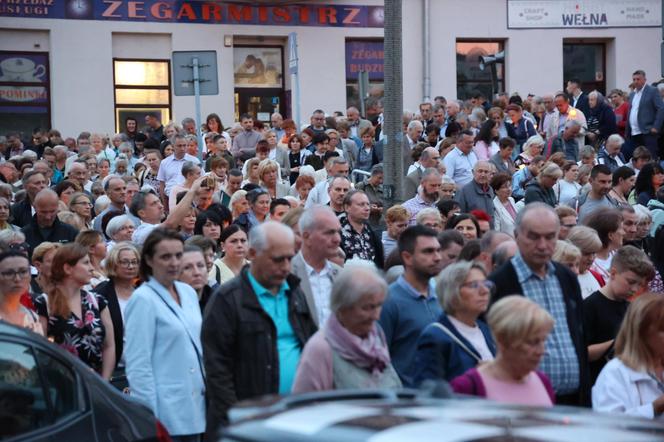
<point>361,83</point>
<point>296,100</point>
<point>426,92</point>
<point>197,96</point>
<point>393,105</point>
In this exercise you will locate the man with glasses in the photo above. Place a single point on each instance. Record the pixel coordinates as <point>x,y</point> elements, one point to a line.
<point>358,239</point>
<point>45,225</point>
<point>318,122</point>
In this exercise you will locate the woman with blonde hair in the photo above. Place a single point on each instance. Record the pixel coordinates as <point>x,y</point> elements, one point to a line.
<point>587,241</point>
<point>541,188</point>
<point>81,205</point>
<point>96,245</point>
<point>268,174</point>
<point>520,328</point>
<point>42,259</point>
<point>632,382</point>
<point>4,215</point>
<point>568,254</point>
<point>531,148</point>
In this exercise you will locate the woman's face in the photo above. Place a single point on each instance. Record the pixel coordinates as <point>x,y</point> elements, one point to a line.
<point>295,145</point>
<point>153,161</point>
<point>241,205</point>
<point>572,264</point>
<point>643,228</point>
<point>271,139</point>
<point>505,191</point>
<point>270,178</point>
<point>212,125</point>
<point>253,172</point>
<point>97,143</point>
<point>125,232</point>
<point>474,294</point>
<point>127,266</point>
<point>450,254</point>
<point>262,205</point>
<point>81,273</point>
<point>192,147</point>
<point>4,211</point>
<point>189,221</point>
<point>526,354</point>
<point>657,180</point>
<point>616,100</point>
<point>103,169</point>
<point>627,185</point>
<point>586,261</point>
<point>82,206</point>
<point>235,245</point>
<point>655,341</point>
<point>616,238</point>
<point>367,140</point>
<point>306,139</point>
<point>572,173</point>
<point>16,283</point>
<point>515,116</point>
<point>99,250</point>
<point>194,270</point>
<point>303,191</point>
<point>194,174</point>
<point>535,149</point>
<point>494,131</point>
<point>359,318</point>
<point>168,150</point>
<point>211,230</point>
<point>467,228</point>
<point>166,261</point>
<point>170,132</point>
<point>334,141</point>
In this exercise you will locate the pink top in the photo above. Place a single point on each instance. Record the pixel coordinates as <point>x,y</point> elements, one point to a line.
<point>483,151</point>
<point>531,392</point>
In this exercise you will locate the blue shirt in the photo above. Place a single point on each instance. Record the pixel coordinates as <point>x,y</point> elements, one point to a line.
<point>276,306</point>
<point>560,362</point>
<point>405,314</point>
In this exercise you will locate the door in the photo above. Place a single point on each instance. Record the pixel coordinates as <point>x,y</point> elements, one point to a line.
<point>259,103</point>
<point>585,62</point>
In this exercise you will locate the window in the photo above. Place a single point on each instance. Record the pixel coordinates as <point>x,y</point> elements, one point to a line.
<point>365,55</point>
<point>141,86</point>
<point>470,78</point>
<point>25,96</point>
<point>585,62</point>
<point>60,384</point>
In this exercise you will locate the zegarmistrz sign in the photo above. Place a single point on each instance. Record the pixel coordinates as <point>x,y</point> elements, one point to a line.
<point>195,11</point>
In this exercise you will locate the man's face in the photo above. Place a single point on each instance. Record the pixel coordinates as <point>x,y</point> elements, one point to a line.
<point>601,184</point>
<point>536,167</point>
<point>566,224</point>
<point>352,115</point>
<point>234,184</point>
<point>425,111</point>
<point>465,144</point>
<point>571,132</point>
<point>432,160</point>
<point>426,259</point>
<point>431,187</point>
<point>132,189</point>
<point>481,173</point>
<point>571,88</point>
<point>279,212</point>
<point>339,169</point>
<point>35,184</point>
<point>415,132</point>
<point>338,190</point>
<point>613,148</point>
<point>78,173</point>
<point>630,223</point>
<point>180,147</point>
<point>452,110</point>
<point>358,209</point>
<point>153,211</point>
<point>131,125</point>
<point>272,265</point>
<point>639,81</point>
<point>13,142</point>
<point>50,159</point>
<point>537,237</point>
<point>561,104</point>
<point>318,120</point>
<point>439,117</point>
<point>548,104</point>
<point>190,128</point>
<point>325,237</point>
<point>117,191</point>
<point>46,211</point>
<point>247,124</point>
<point>276,120</point>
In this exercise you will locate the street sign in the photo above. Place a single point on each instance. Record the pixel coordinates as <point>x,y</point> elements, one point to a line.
<point>292,53</point>
<point>183,73</point>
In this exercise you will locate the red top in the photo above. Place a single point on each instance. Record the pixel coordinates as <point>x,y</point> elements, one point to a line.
<point>622,114</point>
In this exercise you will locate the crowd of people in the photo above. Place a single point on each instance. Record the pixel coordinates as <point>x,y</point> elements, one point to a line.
<point>524,265</point>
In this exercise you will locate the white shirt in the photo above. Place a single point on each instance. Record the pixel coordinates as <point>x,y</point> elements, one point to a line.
<point>413,167</point>
<point>588,283</point>
<point>321,288</point>
<point>318,195</point>
<point>459,166</point>
<point>475,336</point>
<point>619,389</point>
<point>170,171</point>
<point>141,233</point>
<point>634,112</point>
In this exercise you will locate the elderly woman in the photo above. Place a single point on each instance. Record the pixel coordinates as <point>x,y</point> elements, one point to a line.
<point>541,189</point>
<point>239,204</point>
<point>530,149</point>
<point>349,351</point>
<point>430,218</point>
<point>632,382</point>
<point>191,172</point>
<point>4,216</point>
<point>644,220</point>
<point>81,205</point>
<point>459,340</point>
<point>588,242</point>
<point>15,277</point>
<point>119,228</point>
<point>601,120</point>
<point>504,216</point>
<point>608,223</point>
<point>521,328</point>
<point>259,208</point>
<point>268,173</point>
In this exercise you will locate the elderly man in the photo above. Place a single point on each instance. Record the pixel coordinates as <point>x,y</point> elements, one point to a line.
<point>356,122</point>
<point>276,120</point>
<point>567,142</point>
<point>430,158</point>
<point>170,168</point>
<point>553,286</point>
<point>478,194</point>
<point>411,302</point>
<point>428,194</point>
<point>460,161</point>
<point>116,190</point>
<point>320,230</point>
<point>646,114</point>
<point>549,112</point>
<point>78,173</point>
<point>610,154</point>
<point>255,326</point>
<point>565,112</point>
<point>358,239</point>
<point>413,133</point>
<point>426,114</point>
<point>33,183</point>
<point>189,126</point>
<point>319,194</point>
<point>45,225</point>
<point>452,110</point>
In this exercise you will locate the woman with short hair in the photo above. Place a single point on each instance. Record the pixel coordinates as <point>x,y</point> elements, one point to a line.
<point>191,172</point>
<point>520,328</point>
<point>119,228</point>
<point>15,282</point>
<point>504,217</point>
<point>541,188</point>
<point>632,382</point>
<point>259,208</point>
<point>588,242</point>
<point>459,340</point>
<point>5,214</point>
<point>350,350</point>
<point>268,173</point>
<point>532,147</point>
<point>608,223</point>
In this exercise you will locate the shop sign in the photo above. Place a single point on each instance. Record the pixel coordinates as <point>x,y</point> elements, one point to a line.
<point>23,78</point>
<point>534,14</point>
<point>194,11</point>
<point>365,56</point>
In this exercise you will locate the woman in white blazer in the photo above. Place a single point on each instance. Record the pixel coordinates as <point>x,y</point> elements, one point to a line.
<point>163,351</point>
<point>633,382</point>
<point>504,215</point>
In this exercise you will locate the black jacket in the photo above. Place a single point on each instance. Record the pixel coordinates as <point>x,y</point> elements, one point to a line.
<point>507,283</point>
<point>22,213</point>
<point>107,290</point>
<point>58,232</point>
<point>536,193</point>
<point>240,345</point>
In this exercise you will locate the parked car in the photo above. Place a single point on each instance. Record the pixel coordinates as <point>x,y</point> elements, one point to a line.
<point>46,394</point>
<point>408,415</point>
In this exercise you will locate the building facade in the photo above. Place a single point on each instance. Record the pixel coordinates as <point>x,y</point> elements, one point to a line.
<point>81,65</point>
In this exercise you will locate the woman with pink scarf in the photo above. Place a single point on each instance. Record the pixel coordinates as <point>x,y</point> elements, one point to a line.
<point>349,351</point>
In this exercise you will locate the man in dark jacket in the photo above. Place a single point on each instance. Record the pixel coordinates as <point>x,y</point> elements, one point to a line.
<point>478,194</point>
<point>45,225</point>
<point>255,326</point>
<point>33,183</point>
<point>533,274</point>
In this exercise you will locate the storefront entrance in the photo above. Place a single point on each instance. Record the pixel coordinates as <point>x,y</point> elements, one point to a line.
<point>586,62</point>
<point>259,103</point>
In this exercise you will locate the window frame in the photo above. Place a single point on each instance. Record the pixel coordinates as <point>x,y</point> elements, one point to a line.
<point>148,107</point>
<point>502,87</point>
<point>355,83</point>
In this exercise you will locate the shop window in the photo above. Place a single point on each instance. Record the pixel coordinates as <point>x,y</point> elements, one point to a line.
<point>470,78</point>
<point>586,63</point>
<point>25,96</point>
<point>365,55</point>
<point>141,86</point>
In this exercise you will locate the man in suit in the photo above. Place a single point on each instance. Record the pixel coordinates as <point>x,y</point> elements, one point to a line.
<point>429,159</point>
<point>357,123</point>
<point>410,139</point>
<point>319,228</point>
<point>33,183</point>
<point>646,114</point>
<point>553,286</point>
<point>578,99</point>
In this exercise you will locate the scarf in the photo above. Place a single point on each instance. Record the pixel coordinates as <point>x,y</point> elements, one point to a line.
<point>370,354</point>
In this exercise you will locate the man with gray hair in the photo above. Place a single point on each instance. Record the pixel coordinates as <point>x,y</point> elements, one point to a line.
<point>116,190</point>
<point>478,194</point>
<point>413,134</point>
<point>532,273</point>
<point>189,126</point>
<point>567,142</point>
<point>319,194</point>
<point>610,154</point>
<point>170,168</point>
<point>428,194</point>
<point>320,231</point>
<point>255,326</point>
<point>429,159</point>
<point>459,162</point>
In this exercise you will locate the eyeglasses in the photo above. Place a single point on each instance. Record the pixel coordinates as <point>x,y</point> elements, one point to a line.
<point>11,274</point>
<point>128,263</point>
<point>475,285</point>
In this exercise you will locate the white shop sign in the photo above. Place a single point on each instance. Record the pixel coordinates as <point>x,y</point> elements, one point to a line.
<point>533,14</point>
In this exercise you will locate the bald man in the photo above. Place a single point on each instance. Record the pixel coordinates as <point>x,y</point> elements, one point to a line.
<point>45,226</point>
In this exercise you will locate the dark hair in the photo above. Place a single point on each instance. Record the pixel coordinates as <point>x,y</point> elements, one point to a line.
<point>246,116</point>
<point>500,179</point>
<point>330,154</point>
<point>485,132</point>
<point>64,185</point>
<point>453,129</point>
<point>228,231</point>
<point>216,118</point>
<point>235,172</point>
<point>644,179</point>
<point>563,95</point>
<point>320,138</point>
<point>223,212</point>
<point>506,142</point>
<point>446,206</point>
<point>202,242</point>
<point>253,194</point>
<point>456,219</point>
<point>13,254</point>
<point>203,217</point>
<point>470,250</point>
<point>604,220</point>
<point>408,238</point>
<point>149,246</point>
<point>295,137</point>
<point>600,168</point>
<point>623,172</point>
<point>447,237</point>
<point>278,202</point>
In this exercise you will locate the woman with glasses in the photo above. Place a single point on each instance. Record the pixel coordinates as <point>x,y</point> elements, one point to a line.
<point>121,266</point>
<point>119,228</point>
<point>14,282</point>
<point>458,341</point>
<point>77,320</point>
<point>81,205</point>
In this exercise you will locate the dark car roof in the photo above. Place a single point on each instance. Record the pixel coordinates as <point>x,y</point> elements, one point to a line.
<point>413,418</point>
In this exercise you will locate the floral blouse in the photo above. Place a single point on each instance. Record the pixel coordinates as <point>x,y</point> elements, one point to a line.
<point>356,245</point>
<point>83,337</point>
